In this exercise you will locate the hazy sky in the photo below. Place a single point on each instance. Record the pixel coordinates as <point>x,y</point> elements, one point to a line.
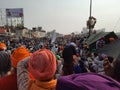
<point>67,16</point>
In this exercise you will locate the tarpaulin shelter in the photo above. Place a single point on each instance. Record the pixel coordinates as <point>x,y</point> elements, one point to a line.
<point>112,49</point>
<point>91,41</point>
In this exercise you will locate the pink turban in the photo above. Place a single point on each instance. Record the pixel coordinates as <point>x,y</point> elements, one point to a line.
<point>42,64</point>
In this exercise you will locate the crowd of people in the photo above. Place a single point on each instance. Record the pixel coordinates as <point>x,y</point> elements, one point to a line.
<point>38,64</point>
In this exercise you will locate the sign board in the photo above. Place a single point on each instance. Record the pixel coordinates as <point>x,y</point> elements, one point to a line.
<point>16,12</point>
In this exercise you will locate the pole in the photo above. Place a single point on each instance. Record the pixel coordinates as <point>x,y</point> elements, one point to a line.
<point>90,7</point>
<point>90,17</point>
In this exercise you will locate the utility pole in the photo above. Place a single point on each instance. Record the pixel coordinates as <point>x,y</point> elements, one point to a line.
<point>90,17</point>
<point>90,7</point>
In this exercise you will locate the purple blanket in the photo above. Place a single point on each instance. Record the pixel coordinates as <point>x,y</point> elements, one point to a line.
<point>87,81</point>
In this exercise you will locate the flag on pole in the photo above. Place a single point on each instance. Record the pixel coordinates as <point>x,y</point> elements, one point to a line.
<point>53,37</point>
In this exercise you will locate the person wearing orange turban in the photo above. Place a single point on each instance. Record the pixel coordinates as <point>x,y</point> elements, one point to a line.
<point>111,39</point>
<point>2,46</point>
<point>42,65</point>
<point>9,82</point>
<point>19,54</point>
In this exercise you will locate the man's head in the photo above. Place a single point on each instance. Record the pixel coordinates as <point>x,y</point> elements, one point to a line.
<point>19,54</point>
<point>5,62</point>
<point>42,65</point>
<point>2,46</point>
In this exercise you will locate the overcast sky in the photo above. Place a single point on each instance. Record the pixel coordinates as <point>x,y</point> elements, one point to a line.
<point>66,16</point>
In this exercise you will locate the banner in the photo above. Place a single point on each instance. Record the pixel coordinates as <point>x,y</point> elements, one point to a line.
<point>38,34</point>
<point>17,12</point>
<point>53,37</point>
